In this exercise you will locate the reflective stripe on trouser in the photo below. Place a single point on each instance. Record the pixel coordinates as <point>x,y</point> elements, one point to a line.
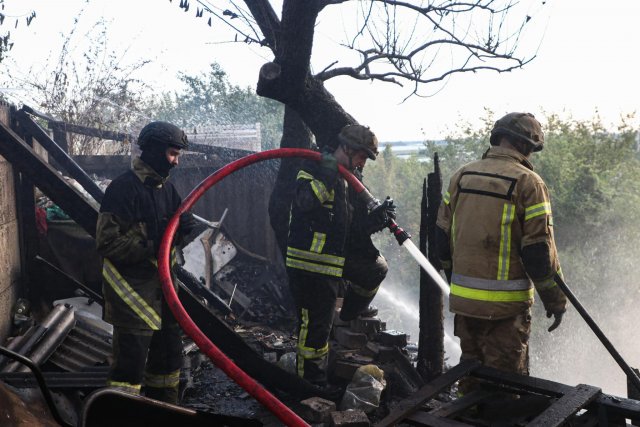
<point>309,355</point>
<point>140,353</point>
<point>124,386</point>
<point>315,297</point>
<point>491,290</point>
<point>365,276</point>
<point>502,344</point>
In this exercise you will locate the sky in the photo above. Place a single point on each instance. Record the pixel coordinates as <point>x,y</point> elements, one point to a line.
<point>585,62</point>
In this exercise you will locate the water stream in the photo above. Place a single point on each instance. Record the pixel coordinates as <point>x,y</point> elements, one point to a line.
<point>426,265</point>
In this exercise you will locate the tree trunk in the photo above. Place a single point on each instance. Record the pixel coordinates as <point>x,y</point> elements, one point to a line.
<point>295,134</point>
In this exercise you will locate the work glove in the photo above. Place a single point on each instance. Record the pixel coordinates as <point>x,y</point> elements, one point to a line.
<point>187,223</point>
<point>381,216</point>
<point>328,169</point>
<point>557,318</point>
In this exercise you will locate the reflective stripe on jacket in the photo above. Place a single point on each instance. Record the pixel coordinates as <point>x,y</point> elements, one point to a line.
<point>137,304</point>
<point>493,208</point>
<point>134,209</point>
<point>319,225</point>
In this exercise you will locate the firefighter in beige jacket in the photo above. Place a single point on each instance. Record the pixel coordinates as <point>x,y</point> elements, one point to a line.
<point>495,242</point>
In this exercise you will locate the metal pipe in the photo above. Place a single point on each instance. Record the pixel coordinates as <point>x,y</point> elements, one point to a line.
<point>631,374</point>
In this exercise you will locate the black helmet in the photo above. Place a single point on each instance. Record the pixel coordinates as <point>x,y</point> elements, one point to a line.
<point>522,126</point>
<point>162,134</point>
<point>359,137</point>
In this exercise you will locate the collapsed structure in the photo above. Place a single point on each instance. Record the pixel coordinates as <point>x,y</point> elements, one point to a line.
<point>233,286</point>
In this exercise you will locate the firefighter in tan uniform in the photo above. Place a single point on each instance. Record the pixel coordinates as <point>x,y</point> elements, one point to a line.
<point>134,213</point>
<point>495,242</point>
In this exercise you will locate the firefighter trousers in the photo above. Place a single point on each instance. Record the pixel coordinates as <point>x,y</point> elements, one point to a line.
<point>315,297</point>
<point>148,358</point>
<point>502,344</point>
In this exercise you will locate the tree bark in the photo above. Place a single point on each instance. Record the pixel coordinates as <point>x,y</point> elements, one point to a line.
<point>295,135</point>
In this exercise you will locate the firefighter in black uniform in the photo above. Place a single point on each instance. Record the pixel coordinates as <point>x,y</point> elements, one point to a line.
<point>134,213</point>
<point>329,240</point>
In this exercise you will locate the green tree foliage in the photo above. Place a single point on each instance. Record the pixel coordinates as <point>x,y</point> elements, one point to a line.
<point>211,99</point>
<point>593,174</point>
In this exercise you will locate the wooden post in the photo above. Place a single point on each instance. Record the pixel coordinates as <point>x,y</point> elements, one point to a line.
<point>26,213</point>
<point>431,338</point>
<point>60,135</point>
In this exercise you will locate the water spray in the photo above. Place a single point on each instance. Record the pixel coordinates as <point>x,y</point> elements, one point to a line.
<point>251,386</point>
<point>402,237</point>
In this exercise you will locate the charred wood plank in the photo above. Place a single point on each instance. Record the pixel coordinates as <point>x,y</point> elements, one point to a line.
<point>615,407</point>
<point>565,407</point>
<point>60,156</point>
<point>47,179</point>
<point>431,338</point>
<point>59,380</point>
<point>462,403</point>
<point>89,131</point>
<point>60,277</point>
<point>427,419</point>
<point>243,355</point>
<point>83,130</point>
<point>529,384</point>
<point>427,392</point>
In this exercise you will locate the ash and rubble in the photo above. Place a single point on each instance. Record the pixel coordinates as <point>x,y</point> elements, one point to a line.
<point>252,298</point>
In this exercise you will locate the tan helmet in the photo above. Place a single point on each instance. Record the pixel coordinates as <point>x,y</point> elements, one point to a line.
<point>523,126</point>
<point>359,137</point>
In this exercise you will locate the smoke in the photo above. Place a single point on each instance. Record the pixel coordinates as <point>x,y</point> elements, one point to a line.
<point>603,273</point>
<point>401,312</point>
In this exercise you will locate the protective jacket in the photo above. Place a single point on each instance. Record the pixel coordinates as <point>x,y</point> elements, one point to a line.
<point>495,210</point>
<point>320,220</point>
<point>134,212</point>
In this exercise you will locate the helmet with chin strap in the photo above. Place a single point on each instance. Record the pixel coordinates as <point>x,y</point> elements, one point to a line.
<point>521,126</point>
<point>161,135</point>
<point>358,137</point>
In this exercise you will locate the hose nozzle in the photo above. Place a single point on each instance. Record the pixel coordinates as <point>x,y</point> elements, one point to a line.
<point>398,232</point>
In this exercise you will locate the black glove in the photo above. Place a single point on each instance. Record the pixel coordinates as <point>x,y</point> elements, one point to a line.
<point>557,319</point>
<point>328,169</point>
<point>381,216</point>
<point>187,223</point>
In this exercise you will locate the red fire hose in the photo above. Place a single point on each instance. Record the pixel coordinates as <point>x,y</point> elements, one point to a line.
<point>280,410</point>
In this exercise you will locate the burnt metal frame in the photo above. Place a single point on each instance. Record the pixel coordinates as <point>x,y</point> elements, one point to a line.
<point>609,410</point>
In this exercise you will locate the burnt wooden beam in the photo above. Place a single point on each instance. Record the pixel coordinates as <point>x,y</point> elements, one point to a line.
<point>89,131</point>
<point>55,274</point>
<point>47,179</point>
<point>427,419</point>
<point>60,155</point>
<point>567,406</point>
<point>233,345</point>
<point>26,216</point>
<point>431,337</point>
<point>412,404</point>
<point>60,136</point>
<point>83,130</point>
<point>612,405</point>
